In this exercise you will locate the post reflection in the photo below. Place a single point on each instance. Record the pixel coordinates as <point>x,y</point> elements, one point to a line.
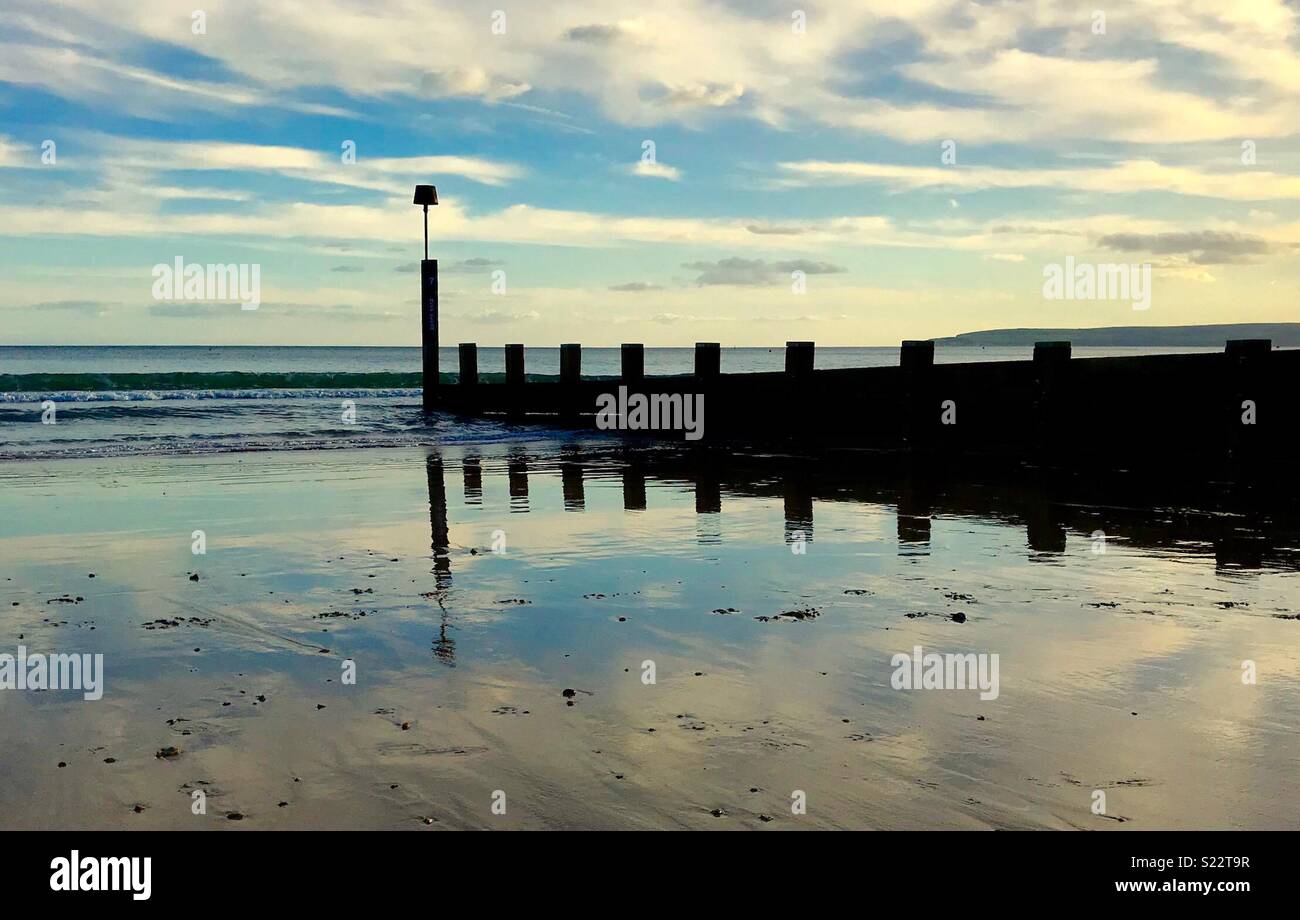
<point>633,486</point>
<point>472,472</point>
<point>444,648</point>
<point>798,500</point>
<point>1244,541</point>
<point>914,511</point>
<point>517,475</point>
<point>1045,530</point>
<point>571,485</point>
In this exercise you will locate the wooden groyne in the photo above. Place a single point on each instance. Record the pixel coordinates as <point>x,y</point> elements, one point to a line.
<point>1237,407</point>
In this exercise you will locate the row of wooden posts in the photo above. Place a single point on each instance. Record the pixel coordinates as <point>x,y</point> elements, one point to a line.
<point>708,364</point>
<point>914,355</point>
<point>1165,409</point>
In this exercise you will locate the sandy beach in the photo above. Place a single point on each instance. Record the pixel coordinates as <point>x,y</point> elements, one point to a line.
<point>500,602</point>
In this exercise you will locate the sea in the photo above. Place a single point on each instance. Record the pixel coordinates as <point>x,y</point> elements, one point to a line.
<point>89,401</point>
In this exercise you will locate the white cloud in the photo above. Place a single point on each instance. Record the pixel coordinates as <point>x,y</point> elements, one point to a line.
<point>15,155</point>
<point>657,170</point>
<point>690,60</point>
<point>700,94</point>
<point>472,82</point>
<point>1130,176</point>
<point>394,175</point>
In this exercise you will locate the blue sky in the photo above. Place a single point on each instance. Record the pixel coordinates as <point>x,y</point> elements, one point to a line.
<point>798,187</point>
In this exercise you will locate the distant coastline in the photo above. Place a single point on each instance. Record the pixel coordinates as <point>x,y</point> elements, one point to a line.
<point>1284,334</point>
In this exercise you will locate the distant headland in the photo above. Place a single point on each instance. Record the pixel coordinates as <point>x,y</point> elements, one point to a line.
<point>1282,334</point>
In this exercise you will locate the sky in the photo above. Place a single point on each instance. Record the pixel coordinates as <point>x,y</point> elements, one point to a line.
<point>853,173</point>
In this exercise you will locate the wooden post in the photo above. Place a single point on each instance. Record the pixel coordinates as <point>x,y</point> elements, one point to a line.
<point>429,331</point>
<point>792,411</point>
<point>916,355</point>
<point>1245,415</point>
<point>468,364</point>
<point>708,360</point>
<point>570,363</point>
<point>633,364</point>
<point>1052,355</point>
<point>920,412</point>
<point>570,375</point>
<point>465,397</point>
<point>799,358</point>
<point>515,380</point>
<point>1049,420</point>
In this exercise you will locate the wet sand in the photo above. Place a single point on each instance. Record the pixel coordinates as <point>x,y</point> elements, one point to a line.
<point>1119,672</point>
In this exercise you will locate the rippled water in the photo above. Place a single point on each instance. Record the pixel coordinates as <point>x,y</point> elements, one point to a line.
<point>286,421</point>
